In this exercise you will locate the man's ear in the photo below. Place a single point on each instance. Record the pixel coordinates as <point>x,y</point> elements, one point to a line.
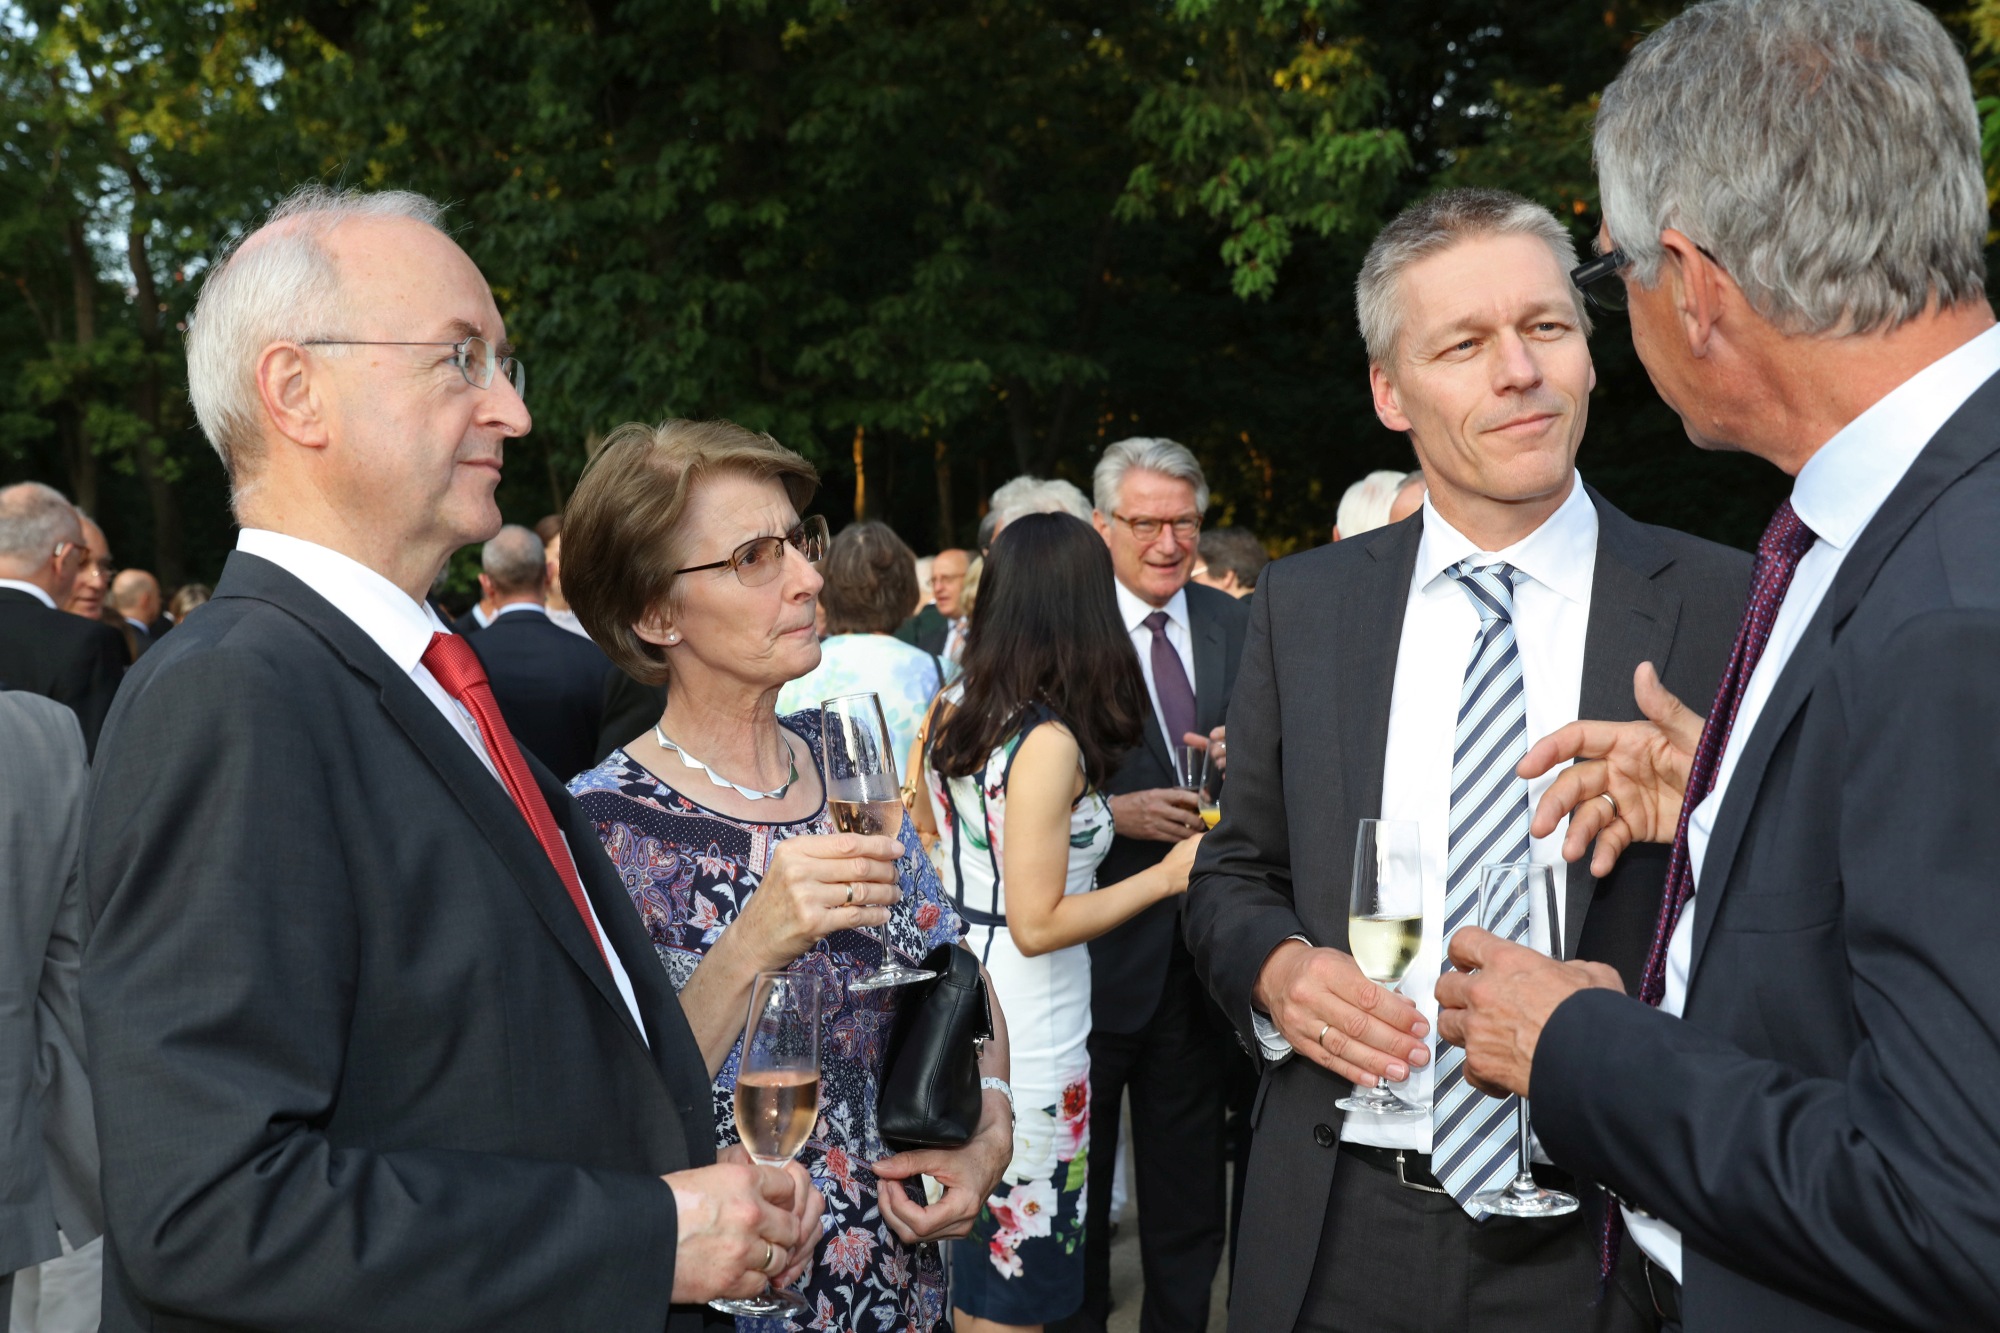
<point>1701,289</point>
<point>292,399</point>
<point>1388,403</point>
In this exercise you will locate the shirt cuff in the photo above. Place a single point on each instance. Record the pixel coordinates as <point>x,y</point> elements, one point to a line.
<point>1277,1049</point>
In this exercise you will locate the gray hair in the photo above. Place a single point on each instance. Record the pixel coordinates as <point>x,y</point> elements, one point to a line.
<point>514,559</point>
<point>34,520</point>
<point>1431,226</point>
<point>1036,495</point>
<point>1365,505</point>
<point>1146,455</point>
<point>1826,152</point>
<point>277,284</point>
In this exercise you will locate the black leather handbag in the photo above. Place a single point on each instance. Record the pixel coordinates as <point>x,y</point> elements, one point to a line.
<point>930,1079</point>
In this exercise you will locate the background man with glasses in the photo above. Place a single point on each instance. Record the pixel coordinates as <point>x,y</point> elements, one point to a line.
<point>376,1037</point>
<point>1153,1030</point>
<point>74,660</point>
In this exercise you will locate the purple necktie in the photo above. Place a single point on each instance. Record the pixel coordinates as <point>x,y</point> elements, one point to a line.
<point>1170,683</point>
<point>1784,544</point>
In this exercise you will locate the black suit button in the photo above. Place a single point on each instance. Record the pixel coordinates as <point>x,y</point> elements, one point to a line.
<point>1323,1135</point>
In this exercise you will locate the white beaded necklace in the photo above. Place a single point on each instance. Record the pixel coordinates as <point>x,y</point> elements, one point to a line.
<point>747,793</point>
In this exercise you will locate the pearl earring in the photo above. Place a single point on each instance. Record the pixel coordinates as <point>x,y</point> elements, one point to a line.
<point>673,638</point>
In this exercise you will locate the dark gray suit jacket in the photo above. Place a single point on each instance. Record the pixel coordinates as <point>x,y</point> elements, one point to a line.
<point>1308,734</point>
<point>48,1142</point>
<point>67,658</point>
<point>1128,963</point>
<point>358,1064</point>
<point>1824,1123</point>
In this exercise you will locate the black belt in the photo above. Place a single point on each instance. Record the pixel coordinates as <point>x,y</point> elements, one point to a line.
<point>1412,1170</point>
<point>1665,1291</point>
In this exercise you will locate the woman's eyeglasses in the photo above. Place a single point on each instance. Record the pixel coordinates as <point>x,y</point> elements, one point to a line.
<point>760,559</point>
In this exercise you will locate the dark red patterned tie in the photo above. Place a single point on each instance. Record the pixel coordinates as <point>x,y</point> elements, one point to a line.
<point>1784,544</point>
<point>456,667</point>
<point>1170,683</point>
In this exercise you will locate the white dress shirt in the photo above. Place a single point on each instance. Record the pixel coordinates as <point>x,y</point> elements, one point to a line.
<point>34,590</point>
<point>1440,627</point>
<point>537,607</point>
<point>566,618</point>
<point>401,627</point>
<point>1835,494</point>
<point>1179,637</point>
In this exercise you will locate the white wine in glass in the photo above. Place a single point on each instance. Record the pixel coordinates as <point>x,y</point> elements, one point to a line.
<point>863,796</point>
<point>1517,901</point>
<point>777,1092</point>
<point>1385,927</point>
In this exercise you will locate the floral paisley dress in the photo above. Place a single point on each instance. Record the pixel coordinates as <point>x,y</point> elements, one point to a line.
<point>690,871</point>
<point>1023,1263</point>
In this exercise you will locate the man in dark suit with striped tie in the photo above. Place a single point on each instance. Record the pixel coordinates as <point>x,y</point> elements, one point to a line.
<point>1800,1110</point>
<point>1400,675</point>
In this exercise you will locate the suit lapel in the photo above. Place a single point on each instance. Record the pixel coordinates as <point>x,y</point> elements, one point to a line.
<point>1367,623</point>
<point>477,791</point>
<point>1210,668</point>
<point>1632,620</point>
<point>1961,444</point>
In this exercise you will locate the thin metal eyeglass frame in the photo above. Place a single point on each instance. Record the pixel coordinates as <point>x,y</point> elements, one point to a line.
<point>1134,524</point>
<point>495,363</point>
<point>809,529</point>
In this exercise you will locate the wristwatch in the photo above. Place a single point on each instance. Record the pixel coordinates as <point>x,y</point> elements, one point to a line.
<point>1001,1086</point>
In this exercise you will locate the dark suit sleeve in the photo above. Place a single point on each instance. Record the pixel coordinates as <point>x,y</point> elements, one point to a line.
<point>1871,1193</point>
<point>1239,900</point>
<point>218,990</point>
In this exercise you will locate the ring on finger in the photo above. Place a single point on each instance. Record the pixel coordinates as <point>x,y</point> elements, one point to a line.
<point>850,897</point>
<point>1320,1040</point>
<point>770,1253</point>
<point>1614,802</point>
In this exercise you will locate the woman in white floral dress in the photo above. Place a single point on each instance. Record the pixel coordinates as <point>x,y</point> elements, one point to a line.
<point>1014,765</point>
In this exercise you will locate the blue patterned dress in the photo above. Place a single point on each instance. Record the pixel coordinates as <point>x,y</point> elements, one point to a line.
<point>690,871</point>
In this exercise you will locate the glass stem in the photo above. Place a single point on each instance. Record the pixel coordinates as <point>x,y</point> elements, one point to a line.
<point>1524,1182</point>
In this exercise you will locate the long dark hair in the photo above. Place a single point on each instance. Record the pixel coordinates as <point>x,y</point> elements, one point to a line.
<point>1045,630</point>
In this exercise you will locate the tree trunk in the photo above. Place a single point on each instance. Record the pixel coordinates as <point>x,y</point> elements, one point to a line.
<point>169,563</point>
<point>860,477</point>
<point>82,459</point>
<point>1021,424</point>
<point>942,457</point>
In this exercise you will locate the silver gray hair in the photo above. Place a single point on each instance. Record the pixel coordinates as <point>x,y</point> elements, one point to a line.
<point>34,520</point>
<point>1145,455</point>
<point>1431,226</point>
<point>1365,505</point>
<point>1037,495</point>
<point>1825,152</point>
<point>277,284</point>
<point>514,559</point>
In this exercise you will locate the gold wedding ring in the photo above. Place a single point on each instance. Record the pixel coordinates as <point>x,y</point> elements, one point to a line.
<point>1614,802</point>
<point>770,1253</point>
<point>1320,1040</point>
<point>850,896</point>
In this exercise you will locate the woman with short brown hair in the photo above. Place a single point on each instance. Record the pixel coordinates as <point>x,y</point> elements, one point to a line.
<point>685,556</point>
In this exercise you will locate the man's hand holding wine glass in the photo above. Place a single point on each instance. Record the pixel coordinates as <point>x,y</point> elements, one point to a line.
<point>740,1224</point>
<point>1339,1019</point>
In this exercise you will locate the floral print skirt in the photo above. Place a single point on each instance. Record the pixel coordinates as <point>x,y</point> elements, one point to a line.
<point>1023,1262</point>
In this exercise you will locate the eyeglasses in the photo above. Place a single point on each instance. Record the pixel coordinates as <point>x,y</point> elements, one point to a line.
<point>476,359</point>
<point>1148,529</point>
<point>1601,282</point>
<point>760,559</point>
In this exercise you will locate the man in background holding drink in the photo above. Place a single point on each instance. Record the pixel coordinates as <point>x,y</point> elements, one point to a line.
<point>1409,667</point>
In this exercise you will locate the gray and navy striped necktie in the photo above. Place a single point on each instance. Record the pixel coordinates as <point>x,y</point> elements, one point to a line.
<point>1473,1143</point>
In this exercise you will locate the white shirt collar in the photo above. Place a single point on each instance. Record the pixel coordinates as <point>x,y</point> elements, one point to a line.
<point>1135,609</point>
<point>1841,486</point>
<point>34,590</point>
<point>401,626</point>
<point>138,624</point>
<point>1561,554</point>
<point>520,606</point>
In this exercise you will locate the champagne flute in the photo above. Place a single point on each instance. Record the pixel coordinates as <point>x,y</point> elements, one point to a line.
<point>1191,774</point>
<point>1385,927</point>
<point>863,796</point>
<point>1517,901</point>
<point>777,1092</point>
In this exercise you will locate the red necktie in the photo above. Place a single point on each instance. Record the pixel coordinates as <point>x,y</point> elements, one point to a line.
<point>1784,544</point>
<point>452,662</point>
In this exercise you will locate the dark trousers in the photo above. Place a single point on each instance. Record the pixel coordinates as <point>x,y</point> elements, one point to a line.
<point>1398,1260</point>
<point>1172,1068</point>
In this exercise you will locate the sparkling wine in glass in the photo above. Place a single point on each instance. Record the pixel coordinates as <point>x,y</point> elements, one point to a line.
<point>1517,901</point>
<point>777,1092</point>
<point>863,796</point>
<point>1385,928</point>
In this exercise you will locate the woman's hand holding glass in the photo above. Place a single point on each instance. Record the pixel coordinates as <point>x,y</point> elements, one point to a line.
<point>815,885</point>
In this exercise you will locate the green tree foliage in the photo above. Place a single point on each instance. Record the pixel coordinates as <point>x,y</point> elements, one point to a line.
<point>931,243</point>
